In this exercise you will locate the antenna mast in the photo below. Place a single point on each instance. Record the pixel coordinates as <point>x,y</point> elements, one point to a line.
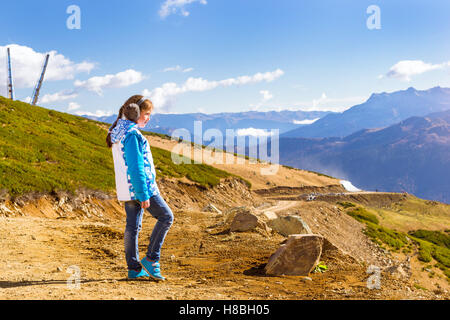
<point>10,85</point>
<point>39,84</point>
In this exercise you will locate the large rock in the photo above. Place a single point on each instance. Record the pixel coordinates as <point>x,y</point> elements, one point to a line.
<point>244,221</point>
<point>289,225</point>
<point>297,257</point>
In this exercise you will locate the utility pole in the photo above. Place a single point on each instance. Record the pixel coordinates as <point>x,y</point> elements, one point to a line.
<point>9,84</point>
<point>39,84</point>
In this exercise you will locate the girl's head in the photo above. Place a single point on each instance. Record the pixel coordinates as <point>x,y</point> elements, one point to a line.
<point>137,109</point>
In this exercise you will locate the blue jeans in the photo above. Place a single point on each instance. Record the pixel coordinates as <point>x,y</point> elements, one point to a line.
<point>159,210</point>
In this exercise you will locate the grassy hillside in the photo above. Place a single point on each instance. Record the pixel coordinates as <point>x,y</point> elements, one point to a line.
<point>389,228</point>
<point>43,150</point>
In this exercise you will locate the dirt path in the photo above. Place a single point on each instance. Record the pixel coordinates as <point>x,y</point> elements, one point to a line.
<point>279,206</point>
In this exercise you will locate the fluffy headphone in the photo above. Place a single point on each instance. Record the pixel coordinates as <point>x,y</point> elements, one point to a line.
<point>132,111</point>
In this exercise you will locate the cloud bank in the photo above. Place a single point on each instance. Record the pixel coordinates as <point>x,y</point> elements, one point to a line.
<point>406,69</point>
<point>27,66</point>
<point>163,97</point>
<point>118,80</point>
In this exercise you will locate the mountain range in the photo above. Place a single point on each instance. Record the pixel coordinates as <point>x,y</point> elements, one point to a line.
<point>412,156</point>
<point>397,141</point>
<point>380,110</point>
<point>282,120</point>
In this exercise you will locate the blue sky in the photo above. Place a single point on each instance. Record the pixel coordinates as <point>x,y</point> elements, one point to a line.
<point>223,55</point>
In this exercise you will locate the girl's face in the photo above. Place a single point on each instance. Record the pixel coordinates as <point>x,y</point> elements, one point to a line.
<point>144,119</point>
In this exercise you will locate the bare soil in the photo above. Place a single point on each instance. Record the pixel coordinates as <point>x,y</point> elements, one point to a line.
<point>44,241</point>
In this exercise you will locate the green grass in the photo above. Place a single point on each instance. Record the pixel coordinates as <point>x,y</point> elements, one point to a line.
<point>432,245</point>
<point>395,240</point>
<point>363,215</point>
<point>43,150</point>
<point>436,237</point>
<point>417,286</point>
<point>346,204</point>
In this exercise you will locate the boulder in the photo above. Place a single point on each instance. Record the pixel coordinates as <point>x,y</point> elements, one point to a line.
<point>297,257</point>
<point>244,221</point>
<point>289,225</point>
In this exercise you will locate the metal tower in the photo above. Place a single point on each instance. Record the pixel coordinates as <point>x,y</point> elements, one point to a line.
<point>9,83</point>
<point>39,84</point>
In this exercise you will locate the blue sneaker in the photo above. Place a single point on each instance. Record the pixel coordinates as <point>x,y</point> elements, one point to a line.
<point>133,274</point>
<point>153,269</point>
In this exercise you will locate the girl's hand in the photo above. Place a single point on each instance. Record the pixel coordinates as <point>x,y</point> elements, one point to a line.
<point>145,204</point>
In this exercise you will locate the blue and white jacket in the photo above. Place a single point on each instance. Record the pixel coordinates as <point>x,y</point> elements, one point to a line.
<point>133,163</point>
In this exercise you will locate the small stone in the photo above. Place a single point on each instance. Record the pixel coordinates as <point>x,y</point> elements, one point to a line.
<point>211,208</point>
<point>58,269</point>
<point>306,279</point>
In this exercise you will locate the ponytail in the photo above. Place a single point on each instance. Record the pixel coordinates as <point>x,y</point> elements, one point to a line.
<point>108,138</point>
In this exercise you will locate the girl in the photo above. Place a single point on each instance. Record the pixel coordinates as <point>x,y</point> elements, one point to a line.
<point>136,186</point>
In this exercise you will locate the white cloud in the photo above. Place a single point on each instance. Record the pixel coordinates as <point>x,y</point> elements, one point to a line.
<point>405,69</point>
<point>266,95</point>
<point>98,113</point>
<point>119,80</point>
<point>58,96</point>
<point>306,121</point>
<point>323,98</point>
<point>73,106</point>
<point>173,6</point>
<point>163,97</point>
<point>27,66</point>
<point>254,132</point>
<point>178,69</point>
<point>188,69</point>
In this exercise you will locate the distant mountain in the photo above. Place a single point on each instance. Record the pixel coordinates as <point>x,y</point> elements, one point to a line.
<point>282,120</point>
<point>412,155</point>
<point>380,110</point>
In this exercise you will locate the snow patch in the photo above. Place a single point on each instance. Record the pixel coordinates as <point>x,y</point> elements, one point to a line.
<point>349,186</point>
<point>306,121</point>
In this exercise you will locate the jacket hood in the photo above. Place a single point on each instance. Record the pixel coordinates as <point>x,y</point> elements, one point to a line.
<point>121,129</point>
